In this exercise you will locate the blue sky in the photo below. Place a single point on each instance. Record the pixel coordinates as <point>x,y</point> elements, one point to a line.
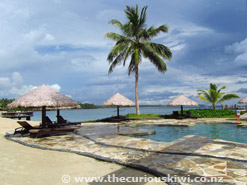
<point>61,43</point>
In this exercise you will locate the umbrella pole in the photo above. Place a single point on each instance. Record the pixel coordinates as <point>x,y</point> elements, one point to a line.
<point>43,116</point>
<point>118,111</point>
<point>58,114</point>
<point>181,110</point>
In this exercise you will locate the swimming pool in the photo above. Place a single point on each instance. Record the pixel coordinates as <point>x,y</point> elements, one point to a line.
<point>229,132</point>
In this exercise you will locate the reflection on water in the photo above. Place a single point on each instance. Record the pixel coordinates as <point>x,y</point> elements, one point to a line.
<point>228,132</point>
<point>214,131</point>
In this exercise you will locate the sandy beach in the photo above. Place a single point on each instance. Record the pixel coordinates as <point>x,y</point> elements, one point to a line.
<point>25,165</point>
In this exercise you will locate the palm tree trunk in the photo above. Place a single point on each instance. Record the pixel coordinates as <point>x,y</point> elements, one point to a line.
<point>214,106</point>
<point>136,91</point>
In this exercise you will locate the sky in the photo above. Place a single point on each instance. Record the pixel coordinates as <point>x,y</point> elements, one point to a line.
<point>61,43</point>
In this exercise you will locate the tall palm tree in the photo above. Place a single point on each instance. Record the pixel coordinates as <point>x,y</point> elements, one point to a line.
<point>135,42</point>
<point>214,95</point>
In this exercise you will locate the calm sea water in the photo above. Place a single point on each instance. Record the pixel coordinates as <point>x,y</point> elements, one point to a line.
<point>222,131</point>
<point>228,132</point>
<point>93,114</point>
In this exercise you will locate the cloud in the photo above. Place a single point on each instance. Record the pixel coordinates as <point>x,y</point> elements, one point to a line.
<point>17,79</point>
<point>5,82</point>
<point>16,91</point>
<point>239,49</point>
<point>15,86</point>
<point>49,37</point>
<point>242,90</point>
<point>241,82</point>
<point>55,87</point>
<point>67,48</point>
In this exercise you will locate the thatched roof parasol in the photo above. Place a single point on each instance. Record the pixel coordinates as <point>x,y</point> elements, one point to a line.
<point>46,98</point>
<point>182,100</point>
<point>118,100</point>
<point>243,100</point>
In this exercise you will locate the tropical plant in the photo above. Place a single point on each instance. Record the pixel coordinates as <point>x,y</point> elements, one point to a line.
<point>209,113</point>
<point>135,42</point>
<point>214,95</point>
<point>4,102</point>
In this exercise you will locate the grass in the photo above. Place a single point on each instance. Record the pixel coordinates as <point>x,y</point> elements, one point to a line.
<point>142,116</point>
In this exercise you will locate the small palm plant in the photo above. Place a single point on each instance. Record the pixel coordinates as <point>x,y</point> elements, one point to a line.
<point>214,95</point>
<point>135,43</point>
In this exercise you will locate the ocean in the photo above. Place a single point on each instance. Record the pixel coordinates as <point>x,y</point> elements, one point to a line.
<point>77,115</point>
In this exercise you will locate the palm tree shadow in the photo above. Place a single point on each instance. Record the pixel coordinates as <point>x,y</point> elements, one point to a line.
<point>115,177</point>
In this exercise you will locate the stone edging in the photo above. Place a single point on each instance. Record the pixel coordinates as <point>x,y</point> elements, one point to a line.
<point>98,157</point>
<point>163,152</point>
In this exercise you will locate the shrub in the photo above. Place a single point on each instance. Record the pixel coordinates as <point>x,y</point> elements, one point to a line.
<point>210,113</point>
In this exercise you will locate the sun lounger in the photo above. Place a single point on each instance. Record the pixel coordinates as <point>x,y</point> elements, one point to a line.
<point>177,116</point>
<point>39,131</point>
<point>25,127</point>
<point>62,121</point>
<point>50,131</point>
<point>188,115</point>
<point>49,123</point>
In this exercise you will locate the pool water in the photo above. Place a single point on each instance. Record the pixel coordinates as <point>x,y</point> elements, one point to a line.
<point>229,132</point>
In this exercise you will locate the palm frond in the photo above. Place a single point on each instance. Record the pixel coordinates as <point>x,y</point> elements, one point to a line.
<point>213,86</point>
<point>206,95</point>
<point>118,59</point>
<point>128,53</point>
<point>221,88</point>
<point>152,55</point>
<point>117,23</point>
<point>131,67</point>
<point>116,37</point>
<point>116,50</point>
<point>152,32</point>
<point>142,20</point>
<point>228,97</point>
<point>203,98</point>
<point>162,50</point>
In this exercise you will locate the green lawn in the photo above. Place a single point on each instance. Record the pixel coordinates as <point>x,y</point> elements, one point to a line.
<point>142,116</point>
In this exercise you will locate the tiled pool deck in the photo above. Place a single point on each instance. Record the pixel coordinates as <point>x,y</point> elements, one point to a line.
<point>195,156</point>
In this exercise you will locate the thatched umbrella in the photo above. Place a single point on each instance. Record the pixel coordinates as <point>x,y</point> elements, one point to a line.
<point>44,98</point>
<point>182,100</point>
<point>243,101</point>
<point>118,100</point>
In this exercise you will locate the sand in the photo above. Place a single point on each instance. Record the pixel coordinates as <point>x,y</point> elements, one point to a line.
<point>25,165</point>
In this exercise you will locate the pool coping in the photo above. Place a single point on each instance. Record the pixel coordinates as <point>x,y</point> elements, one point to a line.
<point>135,166</point>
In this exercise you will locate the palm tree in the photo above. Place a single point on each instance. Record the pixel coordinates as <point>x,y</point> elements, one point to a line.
<point>214,95</point>
<point>135,42</point>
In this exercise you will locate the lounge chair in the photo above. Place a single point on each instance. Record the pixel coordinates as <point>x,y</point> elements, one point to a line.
<point>53,124</point>
<point>39,131</point>
<point>25,127</point>
<point>62,121</point>
<point>177,116</point>
<point>188,115</point>
<point>50,131</point>
<point>48,123</point>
